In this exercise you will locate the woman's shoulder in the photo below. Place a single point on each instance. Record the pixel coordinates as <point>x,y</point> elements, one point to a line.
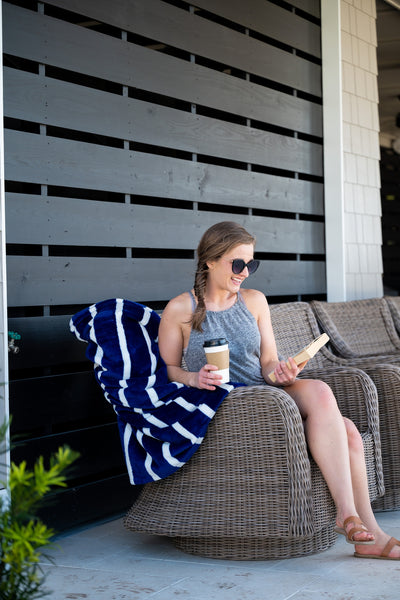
<point>254,297</point>
<point>256,302</point>
<point>179,307</point>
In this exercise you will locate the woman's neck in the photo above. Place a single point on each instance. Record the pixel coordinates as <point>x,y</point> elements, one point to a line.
<point>219,300</point>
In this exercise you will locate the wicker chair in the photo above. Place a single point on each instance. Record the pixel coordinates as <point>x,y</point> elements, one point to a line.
<point>386,377</point>
<point>360,328</point>
<point>393,303</point>
<point>250,491</point>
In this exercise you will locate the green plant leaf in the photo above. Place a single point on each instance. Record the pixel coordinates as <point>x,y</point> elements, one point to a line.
<point>22,535</point>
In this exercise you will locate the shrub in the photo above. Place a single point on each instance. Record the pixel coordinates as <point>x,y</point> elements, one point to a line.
<point>23,536</point>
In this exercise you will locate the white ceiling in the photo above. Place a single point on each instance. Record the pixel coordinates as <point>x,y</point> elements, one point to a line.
<point>388,54</point>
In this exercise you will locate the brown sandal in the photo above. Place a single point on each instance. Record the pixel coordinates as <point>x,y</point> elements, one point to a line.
<point>385,552</point>
<point>359,527</point>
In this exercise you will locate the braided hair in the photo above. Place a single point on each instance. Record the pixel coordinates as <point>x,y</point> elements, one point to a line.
<point>215,242</point>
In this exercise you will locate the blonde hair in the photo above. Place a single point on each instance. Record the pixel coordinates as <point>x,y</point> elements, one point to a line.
<point>215,242</point>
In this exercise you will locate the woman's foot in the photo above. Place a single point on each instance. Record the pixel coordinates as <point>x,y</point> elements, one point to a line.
<point>355,531</point>
<point>385,548</point>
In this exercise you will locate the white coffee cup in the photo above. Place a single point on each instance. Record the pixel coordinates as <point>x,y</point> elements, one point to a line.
<point>217,353</point>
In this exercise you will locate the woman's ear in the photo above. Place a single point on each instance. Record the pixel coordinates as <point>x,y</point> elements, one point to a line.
<point>210,265</point>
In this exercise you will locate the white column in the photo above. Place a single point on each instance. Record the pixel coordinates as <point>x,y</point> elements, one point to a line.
<point>333,149</point>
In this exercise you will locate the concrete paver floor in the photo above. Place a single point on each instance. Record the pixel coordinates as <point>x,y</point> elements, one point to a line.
<point>105,561</point>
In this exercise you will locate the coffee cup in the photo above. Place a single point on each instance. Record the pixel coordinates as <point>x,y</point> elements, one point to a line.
<point>217,353</point>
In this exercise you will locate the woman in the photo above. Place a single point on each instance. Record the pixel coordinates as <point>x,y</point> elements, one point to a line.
<point>217,307</point>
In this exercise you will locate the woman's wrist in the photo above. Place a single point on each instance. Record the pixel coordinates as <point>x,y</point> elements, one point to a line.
<point>266,372</point>
<point>193,380</point>
<point>180,375</point>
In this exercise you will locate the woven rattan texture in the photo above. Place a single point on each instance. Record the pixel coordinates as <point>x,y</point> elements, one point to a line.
<point>393,303</point>
<point>250,489</point>
<point>258,549</point>
<point>358,328</point>
<point>387,381</point>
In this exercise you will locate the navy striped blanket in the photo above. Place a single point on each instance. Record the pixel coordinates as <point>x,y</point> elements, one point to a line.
<point>161,423</point>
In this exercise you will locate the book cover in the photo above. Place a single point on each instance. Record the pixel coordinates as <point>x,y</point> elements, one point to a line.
<point>307,352</point>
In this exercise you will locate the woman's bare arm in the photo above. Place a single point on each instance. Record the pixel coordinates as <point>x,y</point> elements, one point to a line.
<point>174,328</point>
<point>285,375</point>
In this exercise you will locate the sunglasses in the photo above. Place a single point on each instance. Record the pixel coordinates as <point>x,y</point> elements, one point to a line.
<point>238,265</point>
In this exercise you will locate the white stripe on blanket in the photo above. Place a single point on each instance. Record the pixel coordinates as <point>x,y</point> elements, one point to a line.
<point>121,392</point>
<point>122,340</point>
<point>184,403</point>
<point>206,410</point>
<point>126,359</point>
<point>168,456</point>
<point>151,418</point>
<point>146,316</point>
<point>187,434</point>
<point>127,439</point>
<point>153,395</point>
<point>209,412</point>
<point>99,351</point>
<point>148,460</point>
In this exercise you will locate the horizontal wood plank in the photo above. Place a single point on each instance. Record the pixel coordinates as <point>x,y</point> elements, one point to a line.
<point>48,341</point>
<point>269,20</point>
<point>54,161</point>
<point>71,221</point>
<point>58,280</point>
<point>99,447</point>
<point>45,341</point>
<point>54,280</point>
<point>89,502</point>
<point>290,278</point>
<point>38,37</point>
<point>60,400</point>
<point>310,6</point>
<point>193,83</point>
<point>70,106</point>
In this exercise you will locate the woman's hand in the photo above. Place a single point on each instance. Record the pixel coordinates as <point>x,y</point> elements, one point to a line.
<point>206,379</point>
<point>286,375</point>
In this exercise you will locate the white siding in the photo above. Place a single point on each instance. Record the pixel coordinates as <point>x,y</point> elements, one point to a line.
<point>362,204</point>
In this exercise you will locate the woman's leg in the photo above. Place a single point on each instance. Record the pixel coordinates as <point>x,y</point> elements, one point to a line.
<point>361,494</point>
<point>327,439</point>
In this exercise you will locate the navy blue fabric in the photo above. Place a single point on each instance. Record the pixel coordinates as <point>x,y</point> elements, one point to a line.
<point>161,423</point>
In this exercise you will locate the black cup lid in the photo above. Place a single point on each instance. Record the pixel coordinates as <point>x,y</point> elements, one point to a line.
<point>215,342</point>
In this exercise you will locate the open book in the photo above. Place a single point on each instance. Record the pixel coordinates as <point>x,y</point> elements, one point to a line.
<point>308,352</point>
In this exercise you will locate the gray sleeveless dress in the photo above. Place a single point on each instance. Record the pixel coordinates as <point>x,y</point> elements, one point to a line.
<point>239,327</point>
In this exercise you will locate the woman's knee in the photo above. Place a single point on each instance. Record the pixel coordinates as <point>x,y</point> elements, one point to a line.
<point>325,398</point>
<point>354,437</point>
<point>313,395</point>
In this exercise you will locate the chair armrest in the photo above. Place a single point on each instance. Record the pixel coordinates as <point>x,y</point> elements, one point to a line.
<point>393,303</point>
<point>387,380</point>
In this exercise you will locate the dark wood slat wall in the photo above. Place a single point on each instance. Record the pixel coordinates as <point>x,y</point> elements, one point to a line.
<point>131,127</point>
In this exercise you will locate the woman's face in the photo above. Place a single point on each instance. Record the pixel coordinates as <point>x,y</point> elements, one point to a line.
<point>220,271</point>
